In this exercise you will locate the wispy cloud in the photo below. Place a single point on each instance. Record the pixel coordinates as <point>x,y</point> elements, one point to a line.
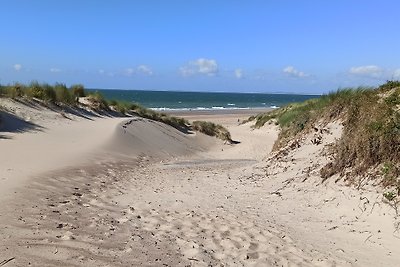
<point>291,71</point>
<point>141,69</point>
<point>129,71</point>
<point>367,71</point>
<point>238,73</point>
<point>144,69</point>
<point>55,70</point>
<point>200,66</point>
<point>17,67</point>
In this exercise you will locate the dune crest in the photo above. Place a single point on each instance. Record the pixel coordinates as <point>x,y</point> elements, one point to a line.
<point>136,136</point>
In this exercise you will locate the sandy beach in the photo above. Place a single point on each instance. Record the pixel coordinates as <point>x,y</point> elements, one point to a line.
<point>111,191</point>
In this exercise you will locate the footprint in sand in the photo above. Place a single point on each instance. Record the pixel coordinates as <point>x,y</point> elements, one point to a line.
<point>212,239</point>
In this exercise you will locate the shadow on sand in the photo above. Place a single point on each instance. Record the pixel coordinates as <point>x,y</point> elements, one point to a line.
<point>13,124</point>
<point>10,123</point>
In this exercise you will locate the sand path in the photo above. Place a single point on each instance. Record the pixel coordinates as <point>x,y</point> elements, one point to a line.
<point>178,202</point>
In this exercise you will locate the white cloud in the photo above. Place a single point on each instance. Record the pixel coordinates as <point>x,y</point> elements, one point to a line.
<point>17,67</point>
<point>101,71</point>
<point>201,66</point>
<point>55,70</point>
<point>129,71</point>
<point>291,71</point>
<point>186,71</point>
<point>141,69</point>
<point>206,66</point>
<point>144,69</point>
<point>238,73</point>
<point>370,70</point>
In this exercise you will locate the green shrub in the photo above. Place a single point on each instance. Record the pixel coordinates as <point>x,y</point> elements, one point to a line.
<point>97,101</point>
<point>14,91</point>
<point>78,90</point>
<point>390,196</point>
<point>49,93</point>
<point>41,91</point>
<point>389,85</point>
<point>112,102</point>
<point>35,90</point>
<point>122,107</point>
<point>63,95</point>
<point>212,129</point>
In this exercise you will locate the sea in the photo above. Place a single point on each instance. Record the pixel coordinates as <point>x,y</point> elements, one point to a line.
<point>174,100</point>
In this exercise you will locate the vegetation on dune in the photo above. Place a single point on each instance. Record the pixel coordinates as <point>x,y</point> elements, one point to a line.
<point>63,95</point>
<point>371,133</point>
<point>97,101</point>
<point>78,90</point>
<point>60,94</point>
<point>57,94</point>
<point>207,128</point>
<point>212,129</point>
<point>134,108</point>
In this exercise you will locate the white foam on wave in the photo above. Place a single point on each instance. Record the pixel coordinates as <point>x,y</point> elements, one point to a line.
<point>204,108</point>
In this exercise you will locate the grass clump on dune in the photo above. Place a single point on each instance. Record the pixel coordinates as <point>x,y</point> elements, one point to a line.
<point>13,91</point>
<point>134,108</point>
<point>97,102</point>
<point>56,94</point>
<point>60,94</point>
<point>78,90</point>
<point>178,123</point>
<point>212,129</point>
<point>371,133</point>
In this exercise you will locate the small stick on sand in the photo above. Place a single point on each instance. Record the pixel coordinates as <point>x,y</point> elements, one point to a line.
<point>4,262</point>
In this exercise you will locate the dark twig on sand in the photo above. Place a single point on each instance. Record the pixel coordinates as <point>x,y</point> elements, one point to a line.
<point>4,262</point>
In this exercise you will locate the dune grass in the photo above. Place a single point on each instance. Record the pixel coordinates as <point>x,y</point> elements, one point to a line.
<point>97,101</point>
<point>60,94</point>
<point>207,128</point>
<point>371,134</point>
<point>212,129</point>
<point>56,94</point>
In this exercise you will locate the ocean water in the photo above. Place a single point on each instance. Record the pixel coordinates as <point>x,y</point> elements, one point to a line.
<point>169,100</point>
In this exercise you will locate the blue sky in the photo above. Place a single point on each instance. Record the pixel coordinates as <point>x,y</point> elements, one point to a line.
<point>300,46</point>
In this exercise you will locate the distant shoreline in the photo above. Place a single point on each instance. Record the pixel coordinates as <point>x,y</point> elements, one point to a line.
<point>164,101</point>
<point>194,112</point>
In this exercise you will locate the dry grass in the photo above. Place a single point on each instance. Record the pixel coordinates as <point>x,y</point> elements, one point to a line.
<point>56,94</point>
<point>212,129</point>
<point>97,102</point>
<point>371,135</point>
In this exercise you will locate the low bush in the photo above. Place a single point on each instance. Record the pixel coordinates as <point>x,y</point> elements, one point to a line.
<point>97,101</point>
<point>178,123</point>
<point>63,95</point>
<point>13,91</point>
<point>212,129</point>
<point>78,90</point>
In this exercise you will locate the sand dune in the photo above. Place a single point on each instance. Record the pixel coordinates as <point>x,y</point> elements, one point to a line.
<point>137,136</point>
<point>133,192</point>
